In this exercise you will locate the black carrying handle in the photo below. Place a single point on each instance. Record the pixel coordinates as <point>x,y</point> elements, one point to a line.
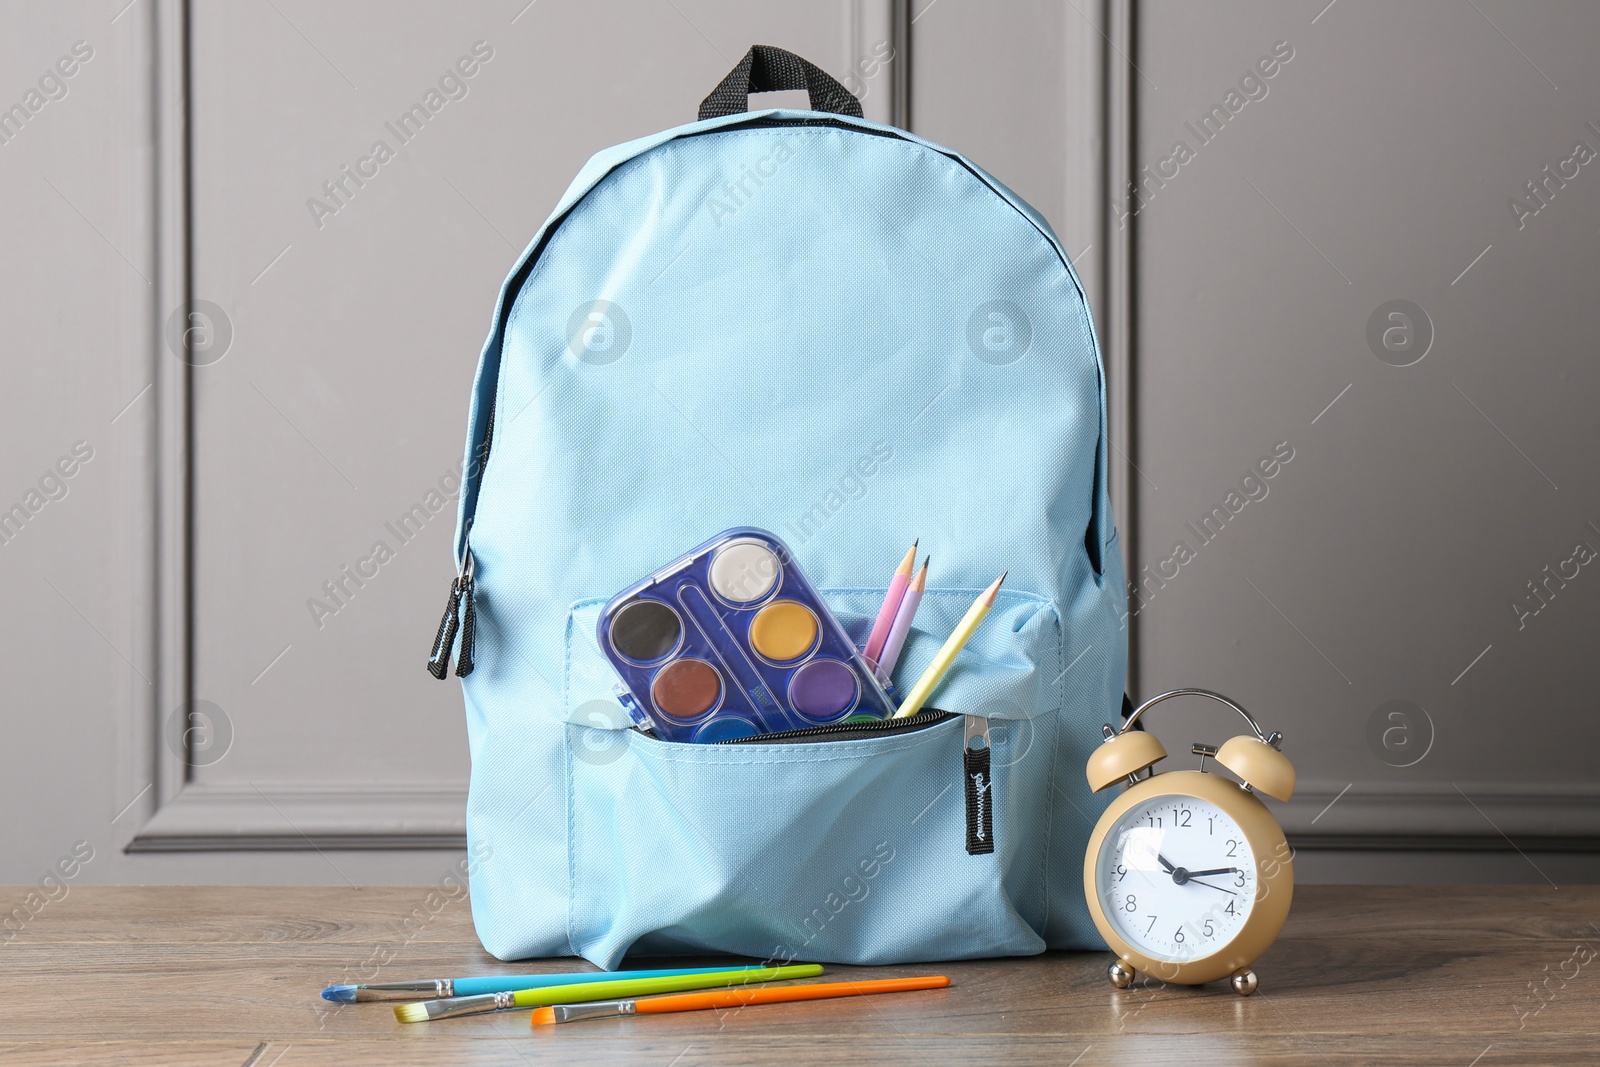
<point>765,69</point>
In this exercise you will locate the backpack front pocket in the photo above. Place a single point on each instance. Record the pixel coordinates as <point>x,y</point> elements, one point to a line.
<point>847,851</point>
<point>849,848</point>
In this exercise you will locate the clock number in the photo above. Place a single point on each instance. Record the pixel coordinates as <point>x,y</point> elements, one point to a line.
<point>1122,872</point>
<point>1233,847</point>
<point>1131,904</point>
<point>1154,820</point>
<point>1211,824</point>
<point>1229,908</point>
<point>1152,925</point>
<point>1178,937</point>
<point>1180,817</point>
<point>1240,882</point>
<point>1207,931</point>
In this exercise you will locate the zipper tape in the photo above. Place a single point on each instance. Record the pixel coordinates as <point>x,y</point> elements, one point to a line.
<point>845,731</point>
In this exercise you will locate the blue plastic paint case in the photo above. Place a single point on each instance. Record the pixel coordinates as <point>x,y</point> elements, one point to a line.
<point>732,641</point>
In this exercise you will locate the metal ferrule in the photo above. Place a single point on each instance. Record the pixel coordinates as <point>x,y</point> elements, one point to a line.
<point>599,1009</point>
<point>439,987</point>
<point>443,1009</point>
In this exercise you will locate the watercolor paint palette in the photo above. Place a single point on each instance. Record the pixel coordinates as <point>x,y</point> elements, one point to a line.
<point>731,641</point>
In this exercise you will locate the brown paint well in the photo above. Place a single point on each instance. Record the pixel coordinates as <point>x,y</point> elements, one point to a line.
<point>686,688</point>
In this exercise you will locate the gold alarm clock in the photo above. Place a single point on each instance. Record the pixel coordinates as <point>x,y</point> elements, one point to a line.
<point>1188,875</point>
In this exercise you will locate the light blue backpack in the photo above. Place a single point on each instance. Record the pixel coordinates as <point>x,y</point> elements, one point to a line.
<point>849,336</point>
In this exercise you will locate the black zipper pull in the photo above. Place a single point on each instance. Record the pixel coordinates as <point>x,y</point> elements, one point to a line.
<point>469,627</point>
<point>439,659</point>
<point>458,616</point>
<point>975,763</point>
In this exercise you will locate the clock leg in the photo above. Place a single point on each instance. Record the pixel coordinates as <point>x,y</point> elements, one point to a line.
<point>1244,981</point>
<point>1120,974</point>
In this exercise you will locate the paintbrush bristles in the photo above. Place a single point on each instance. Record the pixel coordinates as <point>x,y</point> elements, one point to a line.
<point>421,1011</point>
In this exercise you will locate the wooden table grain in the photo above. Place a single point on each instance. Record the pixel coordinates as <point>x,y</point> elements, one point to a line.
<point>1362,975</point>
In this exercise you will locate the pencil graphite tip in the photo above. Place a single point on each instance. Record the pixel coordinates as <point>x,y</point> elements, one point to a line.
<point>990,593</point>
<point>920,582</point>
<point>908,562</point>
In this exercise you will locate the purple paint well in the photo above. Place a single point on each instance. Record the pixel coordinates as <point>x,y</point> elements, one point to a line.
<point>823,689</point>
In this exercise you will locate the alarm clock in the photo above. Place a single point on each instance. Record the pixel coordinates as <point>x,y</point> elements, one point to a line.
<point>1188,875</point>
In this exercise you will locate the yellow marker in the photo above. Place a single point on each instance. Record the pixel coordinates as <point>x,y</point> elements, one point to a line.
<point>947,655</point>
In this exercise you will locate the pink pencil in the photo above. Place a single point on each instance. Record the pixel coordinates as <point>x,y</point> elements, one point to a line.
<point>891,605</point>
<point>901,629</point>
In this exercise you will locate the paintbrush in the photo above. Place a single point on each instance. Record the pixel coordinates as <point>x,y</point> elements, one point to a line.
<point>731,998</point>
<point>425,1010</point>
<point>499,983</point>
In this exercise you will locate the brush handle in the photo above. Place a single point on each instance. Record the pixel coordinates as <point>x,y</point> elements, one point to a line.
<point>511,983</point>
<point>737,998</point>
<point>638,987</point>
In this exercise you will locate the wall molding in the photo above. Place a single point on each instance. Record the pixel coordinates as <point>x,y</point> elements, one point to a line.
<point>1378,815</point>
<point>176,813</point>
<point>289,817</point>
<point>873,25</point>
<point>151,774</point>
<point>1118,116</point>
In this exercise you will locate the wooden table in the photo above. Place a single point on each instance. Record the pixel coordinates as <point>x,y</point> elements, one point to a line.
<point>1362,975</point>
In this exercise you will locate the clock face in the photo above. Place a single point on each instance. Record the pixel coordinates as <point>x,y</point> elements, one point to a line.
<point>1176,877</point>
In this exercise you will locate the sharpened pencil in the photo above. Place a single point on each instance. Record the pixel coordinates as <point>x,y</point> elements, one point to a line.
<point>891,605</point>
<point>947,654</point>
<point>901,629</point>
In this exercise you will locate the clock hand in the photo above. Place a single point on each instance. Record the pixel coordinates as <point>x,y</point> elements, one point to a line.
<point>1218,888</point>
<point>1215,870</point>
<point>1163,861</point>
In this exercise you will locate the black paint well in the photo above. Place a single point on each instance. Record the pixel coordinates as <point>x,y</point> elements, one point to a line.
<point>645,630</point>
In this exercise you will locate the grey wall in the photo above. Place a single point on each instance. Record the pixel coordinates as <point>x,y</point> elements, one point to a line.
<point>179,567</point>
<point>1365,604</point>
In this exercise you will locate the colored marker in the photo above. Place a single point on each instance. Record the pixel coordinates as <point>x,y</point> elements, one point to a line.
<point>947,654</point>
<point>891,605</point>
<point>896,641</point>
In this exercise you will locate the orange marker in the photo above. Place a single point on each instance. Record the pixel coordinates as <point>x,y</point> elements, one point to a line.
<point>731,998</point>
